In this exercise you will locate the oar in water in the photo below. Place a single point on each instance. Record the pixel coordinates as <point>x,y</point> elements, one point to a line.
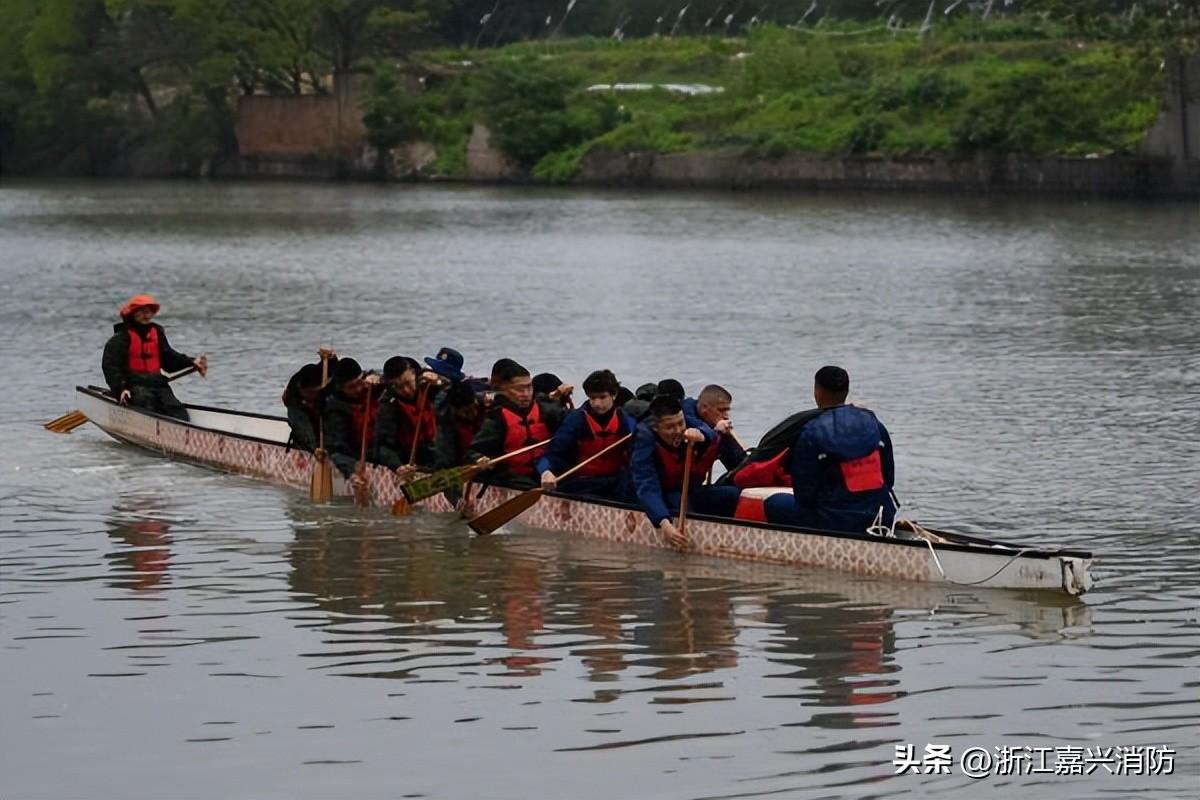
<point>362,490</point>
<point>509,510</point>
<point>683,493</point>
<point>73,419</point>
<point>321,488</point>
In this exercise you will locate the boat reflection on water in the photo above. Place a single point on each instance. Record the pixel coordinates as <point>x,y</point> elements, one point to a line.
<point>140,528</point>
<point>419,597</point>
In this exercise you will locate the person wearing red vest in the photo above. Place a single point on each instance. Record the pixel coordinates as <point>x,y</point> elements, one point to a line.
<point>402,416</point>
<point>841,464</point>
<point>346,408</point>
<point>514,421</point>
<point>585,432</point>
<point>136,356</point>
<point>460,414</point>
<point>659,453</point>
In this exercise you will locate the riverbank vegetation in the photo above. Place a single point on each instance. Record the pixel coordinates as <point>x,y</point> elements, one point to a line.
<point>86,84</point>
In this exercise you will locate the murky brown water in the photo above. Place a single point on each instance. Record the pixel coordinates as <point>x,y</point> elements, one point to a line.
<point>171,632</point>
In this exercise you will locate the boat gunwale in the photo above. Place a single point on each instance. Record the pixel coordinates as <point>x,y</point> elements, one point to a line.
<point>974,545</point>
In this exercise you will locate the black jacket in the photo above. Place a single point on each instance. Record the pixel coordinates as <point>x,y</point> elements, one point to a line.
<point>490,439</point>
<point>340,442</point>
<point>116,356</point>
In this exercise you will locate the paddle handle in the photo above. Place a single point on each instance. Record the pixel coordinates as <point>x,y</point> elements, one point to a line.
<point>183,372</point>
<point>683,494</point>
<point>494,461</point>
<point>412,454</point>
<point>589,459</point>
<point>324,380</point>
<point>362,451</point>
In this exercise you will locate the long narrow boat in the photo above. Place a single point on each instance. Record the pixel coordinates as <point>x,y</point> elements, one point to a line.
<point>256,445</point>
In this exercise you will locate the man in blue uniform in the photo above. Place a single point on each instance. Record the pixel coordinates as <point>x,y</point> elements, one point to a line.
<point>841,464</point>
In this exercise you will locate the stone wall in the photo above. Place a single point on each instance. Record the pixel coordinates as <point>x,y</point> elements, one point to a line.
<point>291,127</point>
<point>735,169</point>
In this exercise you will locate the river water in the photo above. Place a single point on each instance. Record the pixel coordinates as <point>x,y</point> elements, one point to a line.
<point>171,632</point>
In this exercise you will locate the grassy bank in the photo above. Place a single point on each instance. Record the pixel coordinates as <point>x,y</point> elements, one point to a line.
<point>1017,86</point>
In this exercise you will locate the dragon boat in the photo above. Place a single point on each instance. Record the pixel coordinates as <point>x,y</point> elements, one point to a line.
<point>257,445</point>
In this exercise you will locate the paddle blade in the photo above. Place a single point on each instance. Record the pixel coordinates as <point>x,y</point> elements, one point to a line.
<point>423,488</point>
<point>488,521</point>
<point>67,422</point>
<point>321,488</point>
<point>401,508</point>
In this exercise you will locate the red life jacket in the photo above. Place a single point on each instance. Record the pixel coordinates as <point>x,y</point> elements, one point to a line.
<point>863,474</point>
<point>364,414</point>
<point>704,460</point>
<point>595,439</point>
<point>772,472</point>
<point>521,431</point>
<point>672,463</point>
<point>409,422</point>
<point>143,353</point>
<point>465,431</point>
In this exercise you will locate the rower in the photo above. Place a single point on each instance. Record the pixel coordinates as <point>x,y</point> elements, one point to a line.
<point>586,431</point>
<point>136,355</point>
<point>345,412</point>
<point>659,452</point>
<point>712,407</point>
<point>403,416</point>
<point>841,465</point>
<point>460,414</point>
<point>301,399</point>
<point>514,421</point>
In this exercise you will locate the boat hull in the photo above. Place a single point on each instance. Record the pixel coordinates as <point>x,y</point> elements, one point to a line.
<point>256,445</point>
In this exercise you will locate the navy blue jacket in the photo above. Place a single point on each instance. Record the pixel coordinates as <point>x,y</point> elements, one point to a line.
<point>841,433</point>
<point>647,471</point>
<point>728,452</point>
<point>563,452</point>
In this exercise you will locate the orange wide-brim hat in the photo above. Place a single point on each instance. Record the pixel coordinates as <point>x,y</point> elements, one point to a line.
<point>139,301</point>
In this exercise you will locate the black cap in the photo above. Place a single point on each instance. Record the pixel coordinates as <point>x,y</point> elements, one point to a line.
<point>396,366</point>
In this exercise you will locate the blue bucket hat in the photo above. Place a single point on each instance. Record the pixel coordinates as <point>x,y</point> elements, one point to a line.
<point>448,363</point>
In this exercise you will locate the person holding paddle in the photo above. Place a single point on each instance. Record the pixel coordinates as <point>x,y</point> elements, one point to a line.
<point>300,398</point>
<point>661,449</point>
<point>585,432</point>
<point>347,410</point>
<point>136,356</point>
<point>515,421</point>
<point>406,426</point>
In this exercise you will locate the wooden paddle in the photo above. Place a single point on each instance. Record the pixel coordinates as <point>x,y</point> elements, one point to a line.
<point>683,494</point>
<point>320,490</point>
<point>488,521</point>
<point>412,454</point>
<point>73,419</point>
<point>362,491</point>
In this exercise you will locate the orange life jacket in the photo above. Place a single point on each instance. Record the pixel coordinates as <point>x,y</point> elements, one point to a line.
<point>595,439</point>
<point>521,431</point>
<point>143,353</point>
